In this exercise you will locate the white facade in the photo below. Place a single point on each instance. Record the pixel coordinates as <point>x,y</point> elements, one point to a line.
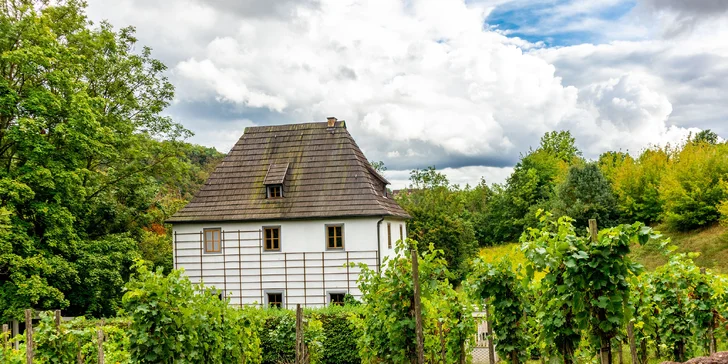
<point>304,271</point>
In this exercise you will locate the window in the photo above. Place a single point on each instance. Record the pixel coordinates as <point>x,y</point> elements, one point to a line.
<point>401,235</point>
<point>334,236</point>
<point>389,235</point>
<point>337,298</point>
<point>275,299</point>
<point>275,191</point>
<point>272,238</point>
<point>212,240</point>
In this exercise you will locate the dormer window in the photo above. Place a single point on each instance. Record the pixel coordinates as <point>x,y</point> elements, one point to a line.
<point>275,191</point>
<point>273,180</point>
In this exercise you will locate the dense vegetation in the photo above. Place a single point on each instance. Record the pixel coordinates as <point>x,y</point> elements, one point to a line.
<point>89,167</point>
<point>681,187</point>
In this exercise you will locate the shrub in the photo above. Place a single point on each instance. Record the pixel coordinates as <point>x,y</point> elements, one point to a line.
<point>176,321</point>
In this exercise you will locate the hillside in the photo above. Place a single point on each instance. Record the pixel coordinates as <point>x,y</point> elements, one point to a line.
<point>710,242</point>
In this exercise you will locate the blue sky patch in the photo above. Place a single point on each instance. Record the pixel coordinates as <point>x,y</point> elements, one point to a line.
<point>541,21</point>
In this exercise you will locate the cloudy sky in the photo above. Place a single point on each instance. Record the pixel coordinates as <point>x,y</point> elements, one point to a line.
<point>466,86</point>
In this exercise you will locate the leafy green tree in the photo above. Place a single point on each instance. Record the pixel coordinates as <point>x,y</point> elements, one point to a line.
<point>378,166</point>
<point>530,187</point>
<point>636,184</point>
<point>705,136</point>
<point>84,153</point>
<point>692,188</point>
<point>440,217</point>
<point>561,145</point>
<point>586,194</point>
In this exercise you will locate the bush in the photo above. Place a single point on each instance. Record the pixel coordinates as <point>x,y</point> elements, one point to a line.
<point>388,323</point>
<point>330,335</point>
<point>176,321</point>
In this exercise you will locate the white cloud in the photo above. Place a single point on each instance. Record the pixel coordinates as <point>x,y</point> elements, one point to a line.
<point>460,176</point>
<point>425,82</point>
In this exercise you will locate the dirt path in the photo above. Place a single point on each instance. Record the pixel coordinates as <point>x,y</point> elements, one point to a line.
<point>717,358</point>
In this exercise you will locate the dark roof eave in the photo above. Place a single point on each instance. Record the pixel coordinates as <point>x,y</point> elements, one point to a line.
<point>195,220</point>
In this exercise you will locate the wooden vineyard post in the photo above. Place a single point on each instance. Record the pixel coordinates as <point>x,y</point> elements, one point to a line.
<point>442,342</point>
<point>5,339</point>
<point>711,337</point>
<point>619,352</point>
<point>57,317</point>
<point>491,349</point>
<point>632,344</point>
<point>299,334</point>
<point>605,350</point>
<point>29,336</point>
<point>100,341</point>
<point>418,310</point>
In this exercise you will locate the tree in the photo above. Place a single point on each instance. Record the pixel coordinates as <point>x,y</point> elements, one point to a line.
<point>440,217</point>
<point>82,144</point>
<point>636,184</point>
<point>586,194</point>
<point>705,136</point>
<point>692,188</point>
<point>378,166</point>
<point>561,145</point>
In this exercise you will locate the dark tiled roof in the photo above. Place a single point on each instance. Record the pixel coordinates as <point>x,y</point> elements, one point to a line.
<point>323,171</point>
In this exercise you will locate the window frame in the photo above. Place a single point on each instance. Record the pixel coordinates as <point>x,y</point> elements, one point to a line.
<point>389,235</point>
<point>269,188</point>
<point>326,234</point>
<point>267,298</point>
<point>401,234</point>
<point>330,300</point>
<point>219,240</point>
<point>278,227</point>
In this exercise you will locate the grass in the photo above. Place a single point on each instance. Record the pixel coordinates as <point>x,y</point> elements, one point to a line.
<point>711,242</point>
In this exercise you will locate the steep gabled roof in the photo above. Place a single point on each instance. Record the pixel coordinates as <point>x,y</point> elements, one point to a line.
<point>323,172</point>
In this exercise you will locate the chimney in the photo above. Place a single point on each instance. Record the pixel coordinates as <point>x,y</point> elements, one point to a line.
<point>332,121</point>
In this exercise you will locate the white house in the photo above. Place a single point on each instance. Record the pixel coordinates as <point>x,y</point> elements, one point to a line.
<point>279,219</point>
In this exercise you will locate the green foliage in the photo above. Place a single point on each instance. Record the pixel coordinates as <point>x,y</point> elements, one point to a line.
<point>388,324</point>
<point>86,159</point>
<point>686,304</point>
<point>174,321</point>
<point>586,194</point>
<point>692,188</point>
<point>497,285</point>
<point>378,166</point>
<point>586,283</point>
<point>440,217</point>
<point>561,145</point>
<point>63,344</point>
<point>636,184</point>
<point>705,136</point>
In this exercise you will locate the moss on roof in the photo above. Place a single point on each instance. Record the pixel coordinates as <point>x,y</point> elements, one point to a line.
<point>325,175</point>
